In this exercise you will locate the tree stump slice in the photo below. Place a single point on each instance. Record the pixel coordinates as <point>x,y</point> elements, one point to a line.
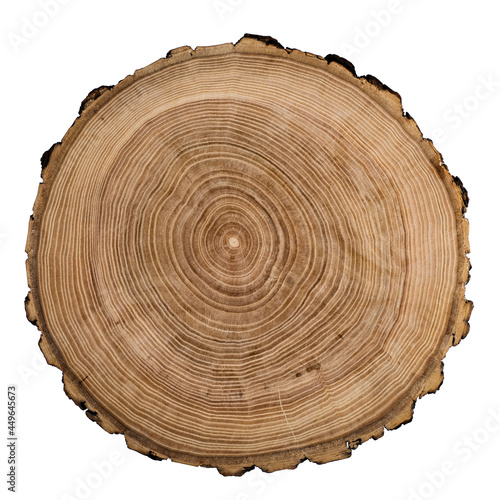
<point>246,255</point>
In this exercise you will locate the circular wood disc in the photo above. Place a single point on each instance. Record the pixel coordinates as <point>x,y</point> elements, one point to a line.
<point>245,255</point>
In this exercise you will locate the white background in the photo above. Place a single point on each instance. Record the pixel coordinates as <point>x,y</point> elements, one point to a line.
<point>436,54</point>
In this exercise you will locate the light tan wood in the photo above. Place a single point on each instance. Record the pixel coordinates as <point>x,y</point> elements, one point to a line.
<point>245,255</point>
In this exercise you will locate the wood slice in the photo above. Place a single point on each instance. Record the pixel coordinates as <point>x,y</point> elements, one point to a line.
<point>245,255</point>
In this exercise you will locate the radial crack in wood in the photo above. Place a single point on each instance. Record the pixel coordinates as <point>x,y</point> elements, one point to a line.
<point>245,255</point>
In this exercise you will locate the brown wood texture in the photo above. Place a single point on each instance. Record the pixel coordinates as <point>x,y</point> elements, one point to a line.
<point>245,255</point>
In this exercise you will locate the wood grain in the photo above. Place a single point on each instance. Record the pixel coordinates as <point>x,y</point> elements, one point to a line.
<point>245,255</point>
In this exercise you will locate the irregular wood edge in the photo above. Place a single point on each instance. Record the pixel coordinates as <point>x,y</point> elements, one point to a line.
<point>402,413</point>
